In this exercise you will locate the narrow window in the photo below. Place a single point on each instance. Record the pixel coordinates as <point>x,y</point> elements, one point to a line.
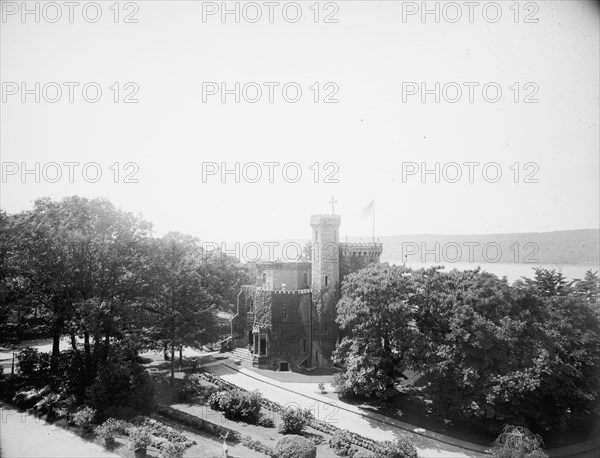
<point>305,278</point>
<point>264,278</point>
<point>325,327</point>
<point>284,313</point>
<point>326,280</point>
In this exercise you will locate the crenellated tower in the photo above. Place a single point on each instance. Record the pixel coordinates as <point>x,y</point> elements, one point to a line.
<point>325,286</point>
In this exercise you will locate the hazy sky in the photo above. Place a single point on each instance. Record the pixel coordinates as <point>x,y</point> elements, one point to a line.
<point>369,136</point>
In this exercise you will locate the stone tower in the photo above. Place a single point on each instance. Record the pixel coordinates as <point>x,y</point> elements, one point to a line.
<point>325,285</point>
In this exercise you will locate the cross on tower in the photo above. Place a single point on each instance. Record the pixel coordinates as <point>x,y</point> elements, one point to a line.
<point>333,202</point>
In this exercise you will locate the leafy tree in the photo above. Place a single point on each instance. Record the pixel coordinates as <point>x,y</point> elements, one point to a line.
<point>512,355</point>
<point>81,261</point>
<point>377,319</point>
<point>518,442</point>
<point>588,289</point>
<point>181,308</point>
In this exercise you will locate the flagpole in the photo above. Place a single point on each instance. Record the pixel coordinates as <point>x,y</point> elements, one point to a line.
<point>373,220</point>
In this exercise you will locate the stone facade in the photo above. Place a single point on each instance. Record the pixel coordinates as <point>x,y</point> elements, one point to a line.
<point>287,319</point>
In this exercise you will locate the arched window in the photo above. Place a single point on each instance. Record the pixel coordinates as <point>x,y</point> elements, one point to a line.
<point>264,278</point>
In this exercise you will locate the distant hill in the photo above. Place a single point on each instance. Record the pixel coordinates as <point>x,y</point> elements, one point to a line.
<point>573,247</point>
<point>561,247</point>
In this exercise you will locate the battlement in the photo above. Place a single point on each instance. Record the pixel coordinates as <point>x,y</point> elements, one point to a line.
<point>325,219</point>
<point>286,291</point>
<point>361,249</point>
<point>277,265</point>
<point>367,245</point>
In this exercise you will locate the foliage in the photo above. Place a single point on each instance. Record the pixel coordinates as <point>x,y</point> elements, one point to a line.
<point>120,386</point>
<point>257,446</point>
<point>340,443</point>
<point>399,448</point>
<point>364,454</point>
<point>518,442</point>
<point>172,450</point>
<point>140,437</point>
<point>196,422</point>
<point>84,417</point>
<point>33,364</point>
<point>525,353</point>
<point>293,421</point>
<point>266,422</point>
<point>377,316</point>
<point>293,446</point>
<point>109,429</point>
<point>237,404</point>
<point>163,431</point>
<point>193,386</point>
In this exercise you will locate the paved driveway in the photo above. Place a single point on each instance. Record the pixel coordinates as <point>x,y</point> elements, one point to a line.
<point>345,416</point>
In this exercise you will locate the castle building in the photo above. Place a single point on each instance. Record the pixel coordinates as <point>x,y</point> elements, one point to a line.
<point>287,319</point>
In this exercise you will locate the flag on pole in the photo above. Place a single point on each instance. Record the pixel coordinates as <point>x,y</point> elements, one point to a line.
<point>368,210</point>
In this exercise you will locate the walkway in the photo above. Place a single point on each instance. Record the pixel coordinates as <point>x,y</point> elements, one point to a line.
<point>23,435</point>
<point>346,416</point>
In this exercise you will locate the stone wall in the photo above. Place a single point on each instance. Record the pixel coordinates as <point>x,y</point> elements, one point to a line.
<point>295,275</point>
<point>357,256</point>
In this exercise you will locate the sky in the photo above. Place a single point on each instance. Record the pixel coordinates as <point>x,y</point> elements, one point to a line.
<point>162,156</point>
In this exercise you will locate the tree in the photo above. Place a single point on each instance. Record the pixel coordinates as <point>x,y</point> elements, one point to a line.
<point>589,290</point>
<point>523,355</point>
<point>81,261</point>
<point>377,318</point>
<point>181,308</point>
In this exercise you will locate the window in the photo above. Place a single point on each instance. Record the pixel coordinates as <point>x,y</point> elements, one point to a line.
<point>325,327</point>
<point>316,235</point>
<point>305,278</point>
<point>284,312</point>
<point>283,367</point>
<point>264,278</point>
<point>326,280</point>
<point>316,357</point>
<point>263,345</point>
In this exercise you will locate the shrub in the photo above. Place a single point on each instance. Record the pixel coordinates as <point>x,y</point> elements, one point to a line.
<point>364,454</point>
<point>163,431</point>
<point>196,422</point>
<point>109,429</point>
<point>293,421</point>
<point>266,422</point>
<point>172,450</point>
<point>293,446</point>
<point>84,417</point>
<point>399,448</point>
<point>33,364</point>
<point>340,443</point>
<point>214,400</point>
<point>321,386</point>
<point>139,437</point>
<point>193,385</point>
<point>257,446</point>
<point>120,386</point>
<point>238,404</point>
<point>518,442</point>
